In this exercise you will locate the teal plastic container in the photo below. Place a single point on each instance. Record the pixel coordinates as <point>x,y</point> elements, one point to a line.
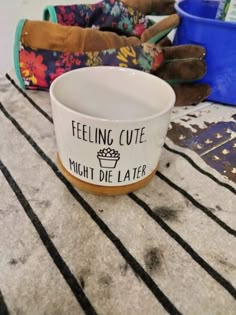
<point>199,26</point>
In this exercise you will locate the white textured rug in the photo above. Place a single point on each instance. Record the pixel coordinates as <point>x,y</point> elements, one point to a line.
<point>168,249</point>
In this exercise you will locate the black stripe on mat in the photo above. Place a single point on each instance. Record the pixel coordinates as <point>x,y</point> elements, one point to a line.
<point>185,156</point>
<point>32,102</point>
<point>199,169</point>
<point>3,306</point>
<point>197,204</point>
<point>52,250</point>
<point>194,255</point>
<point>137,268</point>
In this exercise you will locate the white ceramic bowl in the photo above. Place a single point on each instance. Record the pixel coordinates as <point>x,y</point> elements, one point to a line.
<point>110,124</point>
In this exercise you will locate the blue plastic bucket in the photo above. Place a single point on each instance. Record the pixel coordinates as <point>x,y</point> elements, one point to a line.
<point>199,26</point>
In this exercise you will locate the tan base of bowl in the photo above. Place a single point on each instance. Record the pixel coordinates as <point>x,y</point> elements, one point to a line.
<point>103,190</point>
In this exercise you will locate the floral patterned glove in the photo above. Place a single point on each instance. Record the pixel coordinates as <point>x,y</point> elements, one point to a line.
<point>125,17</point>
<point>126,14</point>
<point>181,70</point>
<point>110,15</point>
<point>107,13</point>
<point>42,53</point>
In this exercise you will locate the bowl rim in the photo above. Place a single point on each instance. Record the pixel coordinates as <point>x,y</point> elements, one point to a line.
<point>168,108</point>
<point>201,19</point>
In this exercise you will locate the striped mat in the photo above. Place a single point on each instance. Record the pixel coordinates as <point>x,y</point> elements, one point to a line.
<point>169,248</point>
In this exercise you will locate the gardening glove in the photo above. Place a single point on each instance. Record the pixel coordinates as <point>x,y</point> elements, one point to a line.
<point>118,17</point>
<point>115,16</point>
<point>113,13</point>
<point>46,50</point>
